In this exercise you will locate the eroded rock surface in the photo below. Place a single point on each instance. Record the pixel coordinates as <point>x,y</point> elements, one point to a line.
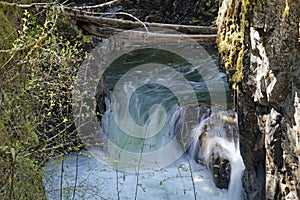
<point>259,44</point>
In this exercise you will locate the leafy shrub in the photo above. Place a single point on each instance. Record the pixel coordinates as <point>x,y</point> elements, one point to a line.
<point>36,71</point>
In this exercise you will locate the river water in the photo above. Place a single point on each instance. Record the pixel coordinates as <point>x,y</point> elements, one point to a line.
<point>160,175</point>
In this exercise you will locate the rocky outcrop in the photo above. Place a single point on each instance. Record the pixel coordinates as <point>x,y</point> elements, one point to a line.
<point>259,46</point>
<point>205,142</point>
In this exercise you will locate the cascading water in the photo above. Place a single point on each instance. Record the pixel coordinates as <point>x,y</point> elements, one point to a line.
<point>198,134</point>
<point>217,136</point>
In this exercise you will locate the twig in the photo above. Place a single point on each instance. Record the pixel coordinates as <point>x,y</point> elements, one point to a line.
<point>11,192</point>
<point>138,169</point>
<point>193,182</point>
<point>76,178</point>
<point>25,6</point>
<point>118,192</point>
<point>106,13</point>
<point>135,18</point>
<point>62,166</point>
<point>47,5</point>
<point>61,178</point>
<point>103,5</point>
<point>8,61</point>
<point>10,34</point>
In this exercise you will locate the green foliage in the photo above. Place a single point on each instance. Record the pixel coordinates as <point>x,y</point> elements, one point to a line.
<point>37,70</point>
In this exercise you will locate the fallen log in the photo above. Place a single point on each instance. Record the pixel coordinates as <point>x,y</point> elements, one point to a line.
<point>105,27</point>
<point>107,31</point>
<point>127,24</point>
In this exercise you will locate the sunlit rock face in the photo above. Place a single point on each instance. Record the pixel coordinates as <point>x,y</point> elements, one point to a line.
<point>265,73</point>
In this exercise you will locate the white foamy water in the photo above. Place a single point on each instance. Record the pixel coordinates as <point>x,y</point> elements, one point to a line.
<point>155,139</point>
<point>183,179</point>
<point>221,139</point>
<point>97,181</point>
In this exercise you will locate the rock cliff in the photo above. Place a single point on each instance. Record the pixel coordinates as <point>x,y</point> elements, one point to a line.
<point>260,49</point>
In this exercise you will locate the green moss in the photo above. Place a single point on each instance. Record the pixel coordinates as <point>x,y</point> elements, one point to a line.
<point>231,38</point>
<point>7,33</point>
<point>6,27</point>
<point>237,76</point>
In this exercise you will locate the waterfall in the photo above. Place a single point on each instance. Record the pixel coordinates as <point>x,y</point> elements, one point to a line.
<point>208,134</point>
<point>217,136</point>
<point>156,141</point>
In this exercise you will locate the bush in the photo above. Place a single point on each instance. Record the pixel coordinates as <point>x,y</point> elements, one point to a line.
<point>36,71</point>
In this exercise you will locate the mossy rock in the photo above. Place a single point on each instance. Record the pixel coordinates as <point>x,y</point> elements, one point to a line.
<point>231,39</point>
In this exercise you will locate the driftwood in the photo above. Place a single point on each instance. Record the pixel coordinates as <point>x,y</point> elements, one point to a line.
<point>106,27</point>
<point>127,24</point>
<point>107,31</point>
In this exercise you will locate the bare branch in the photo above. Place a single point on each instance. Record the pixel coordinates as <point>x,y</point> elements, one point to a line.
<point>192,178</point>
<point>76,177</point>
<point>135,18</point>
<point>47,5</point>
<point>103,5</point>
<point>26,6</point>
<point>61,178</point>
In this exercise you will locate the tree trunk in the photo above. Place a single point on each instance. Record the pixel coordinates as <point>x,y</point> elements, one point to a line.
<point>260,49</point>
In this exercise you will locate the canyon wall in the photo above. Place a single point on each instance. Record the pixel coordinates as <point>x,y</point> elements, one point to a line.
<point>260,49</point>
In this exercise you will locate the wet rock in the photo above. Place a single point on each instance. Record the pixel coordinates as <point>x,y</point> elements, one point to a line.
<point>101,94</point>
<point>191,115</point>
<point>222,124</point>
<point>221,170</point>
<point>205,141</point>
